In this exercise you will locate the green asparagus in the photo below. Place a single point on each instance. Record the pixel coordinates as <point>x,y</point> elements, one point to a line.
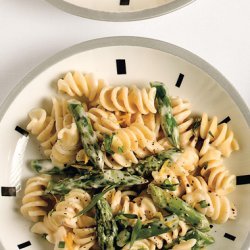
<point>153,163</point>
<point>153,228</point>
<point>95,180</point>
<point>168,122</point>
<point>203,239</point>
<point>87,134</point>
<point>45,166</point>
<point>107,142</point>
<point>171,203</point>
<point>106,226</point>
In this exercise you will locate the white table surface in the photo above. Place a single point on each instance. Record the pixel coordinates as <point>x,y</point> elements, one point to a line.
<point>216,30</point>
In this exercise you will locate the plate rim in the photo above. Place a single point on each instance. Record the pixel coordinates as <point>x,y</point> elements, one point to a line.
<point>122,16</point>
<point>136,42</point>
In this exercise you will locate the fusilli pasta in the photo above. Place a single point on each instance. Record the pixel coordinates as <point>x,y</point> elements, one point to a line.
<point>128,99</point>
<point>33,206</point>
<point>78,84</point>
<point>218,208</point>
<point>218,178</point>
<point>219,136</point>
<point>67,146</point>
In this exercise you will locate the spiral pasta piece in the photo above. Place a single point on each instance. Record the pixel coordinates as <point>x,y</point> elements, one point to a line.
<point>218,177</point>
<point>219,136</point>
<point>85,238</point>
<point>33,206</point>
<point>181,112</point>
<point>185,245</point>
<point>42,126</point>
<point>78,84</point>
<point>218,208</point>
<point>104,122</point>
<point>128,99</point>
<point>141,206</point>
<point>150,120</point>
<point>66,210</point>
<point>67,146</point>
<point>137,138</point>
<point>60,113</point>
<point>169,237</point>
<point>119,161</point>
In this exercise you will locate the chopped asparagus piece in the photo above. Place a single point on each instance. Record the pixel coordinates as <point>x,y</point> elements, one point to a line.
<point>107,142</point>
<point>203,239</point>
<point>45,166</point>
<point>95,199</point>
<point>95,180</point>
<point>87,134</point>
<point>168,122</point>
<point>153,163</point>
<point>171,203</point>
<point>106,226</point>
<point>153,228</point>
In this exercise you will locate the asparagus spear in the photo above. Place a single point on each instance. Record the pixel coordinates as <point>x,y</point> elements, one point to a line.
<point>95,180</point>
<point>45,166</point>
<point>168,122</point>
<point>106,226</point>
<point>171,203</point>
<point>202,240</point>
<point>88,136</point>
<point>151,229</point>
<point>153,163</point>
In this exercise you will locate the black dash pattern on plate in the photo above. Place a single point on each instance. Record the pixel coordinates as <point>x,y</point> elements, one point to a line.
<point>179,80</point>
<point>124,2</point>
<point>22,131</point>
<point>8,191</point>
<point>24,245</point>
<point>121,66</point>
<point>242,179</point>
<point>229,236</point>
<point>226,120</point>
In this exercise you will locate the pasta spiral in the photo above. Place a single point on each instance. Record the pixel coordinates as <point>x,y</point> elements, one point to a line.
<point>128,99</point>
<point>33,206</point>
<point>218,208</point>
<point>60,113</point>
<point>169,237</point>
<point>150,120</point>
<point>185,245</point>
<point>181,112</point>
<point>78,84</point>
<point>42,126</point>
<point>218,177</point>
<point>104,122</point>
<point>219,136</point>
<point>137,138</point>
<point>85,238</point>
<point>65,149</point>
<point>54,235</point>
<point>66,210</point>
<point>143,207</point>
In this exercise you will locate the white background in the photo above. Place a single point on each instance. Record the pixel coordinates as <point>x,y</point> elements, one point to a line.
<point>216,30</point>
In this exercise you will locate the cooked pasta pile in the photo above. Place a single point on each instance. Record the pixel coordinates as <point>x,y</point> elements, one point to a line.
<point>127,168</point>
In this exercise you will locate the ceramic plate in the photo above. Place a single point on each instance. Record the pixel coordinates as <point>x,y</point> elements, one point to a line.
<point>119,10</point>
<point>120,60</point>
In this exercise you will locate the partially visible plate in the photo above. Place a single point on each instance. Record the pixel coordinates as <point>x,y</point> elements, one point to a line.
<point>119,10</point>
<point>120,60</point>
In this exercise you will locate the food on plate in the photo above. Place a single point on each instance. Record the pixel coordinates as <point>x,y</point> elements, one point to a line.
<point>127,168</point>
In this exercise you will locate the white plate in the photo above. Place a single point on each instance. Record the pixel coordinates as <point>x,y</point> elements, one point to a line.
<point>119,10</point>
<point>145,60</point>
